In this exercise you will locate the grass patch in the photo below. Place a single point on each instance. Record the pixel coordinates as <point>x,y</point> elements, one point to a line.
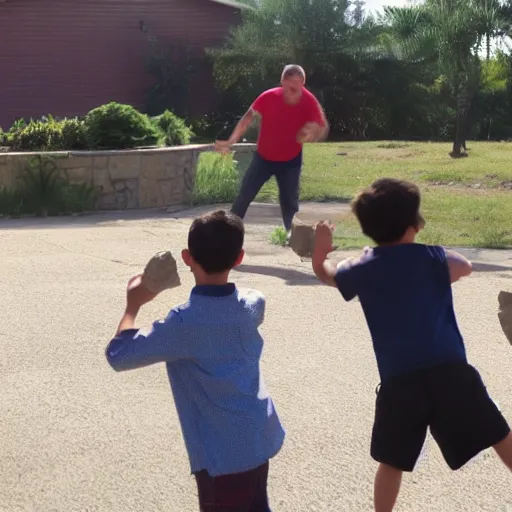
<point>217,179</point>
<point>279,236</point>
<point>457,215</point>
<point>462,219</point>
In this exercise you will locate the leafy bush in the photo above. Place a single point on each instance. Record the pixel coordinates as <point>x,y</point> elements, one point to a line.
<point>117,126</point>
<point>279,236</point>
<point>14,130</point>
<point>39,135</point>
<point>217,179</point>
<point>74,134</point>
<point>174,128</point>
<point>111,126</point>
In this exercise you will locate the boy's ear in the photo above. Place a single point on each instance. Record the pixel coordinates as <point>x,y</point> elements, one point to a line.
<point>240,258</point>
<point>420,224</point>
<point>186,257</point>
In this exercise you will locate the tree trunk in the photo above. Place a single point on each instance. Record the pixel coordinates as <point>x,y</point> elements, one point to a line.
<point>459,145</point>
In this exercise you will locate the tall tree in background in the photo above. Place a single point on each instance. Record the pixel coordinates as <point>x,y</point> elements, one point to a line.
<point>358,12</point>
<point>490,14</point>
<point>337,50</point>
<point>413,73</point>
<point>449,34</point>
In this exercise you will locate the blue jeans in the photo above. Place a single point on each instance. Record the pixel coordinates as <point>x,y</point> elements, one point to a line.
<point>287,175</point>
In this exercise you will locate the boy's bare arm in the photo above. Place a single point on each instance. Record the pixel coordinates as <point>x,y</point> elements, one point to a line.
<point>136,296</point>
<point>127,321</point>
<point>458,265</point>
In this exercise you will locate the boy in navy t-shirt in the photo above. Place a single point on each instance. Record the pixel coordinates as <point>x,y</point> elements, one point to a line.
<point>212,349</point>
<point>426,382</point>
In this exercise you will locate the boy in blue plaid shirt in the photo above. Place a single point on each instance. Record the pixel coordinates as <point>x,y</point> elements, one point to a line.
<point>212,348</point>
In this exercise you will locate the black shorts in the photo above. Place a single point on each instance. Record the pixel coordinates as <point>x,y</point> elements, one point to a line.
<point>450,399</point>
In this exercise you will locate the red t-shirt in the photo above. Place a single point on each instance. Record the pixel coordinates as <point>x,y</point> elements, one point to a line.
<point>281,122</point>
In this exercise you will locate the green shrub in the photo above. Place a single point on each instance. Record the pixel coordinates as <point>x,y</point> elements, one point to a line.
<point>40,135</point>
<point>3,137</point>
<point>217,179</point>
<point>117,126</point>
<point>73,134</point>
<point>16,127</point>
<point>279,236</point>
<point>174,128</point>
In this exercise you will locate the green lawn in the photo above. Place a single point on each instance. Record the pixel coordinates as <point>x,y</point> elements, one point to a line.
<point>464,201</point>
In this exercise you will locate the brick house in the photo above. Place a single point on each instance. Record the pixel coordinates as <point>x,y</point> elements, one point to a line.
<point>64,57</point>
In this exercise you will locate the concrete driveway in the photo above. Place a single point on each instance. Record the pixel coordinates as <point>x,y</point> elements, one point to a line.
<point>76,436</point>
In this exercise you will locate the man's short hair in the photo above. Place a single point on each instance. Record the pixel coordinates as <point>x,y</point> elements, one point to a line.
<point>387,209</point>
<point>215,241</point>
<point>292,70</point>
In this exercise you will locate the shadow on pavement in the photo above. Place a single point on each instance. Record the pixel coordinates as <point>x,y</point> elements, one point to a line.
<point>292,277</point>
<point>258,213</point>
<point>490,267</point>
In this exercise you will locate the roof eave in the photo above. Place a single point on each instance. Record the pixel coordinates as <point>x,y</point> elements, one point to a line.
<point>232,3</point>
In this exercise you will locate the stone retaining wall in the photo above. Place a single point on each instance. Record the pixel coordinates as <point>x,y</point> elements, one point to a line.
<point>140,178</point>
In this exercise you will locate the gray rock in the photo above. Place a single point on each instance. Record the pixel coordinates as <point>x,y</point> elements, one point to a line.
<point>161,273</point>
<point>505,313</point>
<point>302,239</point>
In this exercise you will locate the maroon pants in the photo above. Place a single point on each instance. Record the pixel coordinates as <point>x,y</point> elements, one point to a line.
<point>239,492</point>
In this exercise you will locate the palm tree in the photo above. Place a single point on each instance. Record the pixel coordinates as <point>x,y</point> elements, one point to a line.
<point>492,23</point>
<point>448,34</point>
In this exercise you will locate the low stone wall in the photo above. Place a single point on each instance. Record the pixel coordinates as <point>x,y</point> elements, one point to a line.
<point>140,178</point>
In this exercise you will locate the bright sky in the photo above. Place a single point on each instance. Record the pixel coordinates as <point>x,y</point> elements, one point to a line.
<point>372,5</point>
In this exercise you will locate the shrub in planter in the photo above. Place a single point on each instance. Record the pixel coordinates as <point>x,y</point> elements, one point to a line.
<point>174,128</point>
<point>73,134</point>
<point>117,126</point>
<point>41,135</point>
<point>14,130</point>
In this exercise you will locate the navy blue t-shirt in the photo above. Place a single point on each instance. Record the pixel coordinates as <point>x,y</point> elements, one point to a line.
<point>406,295</point>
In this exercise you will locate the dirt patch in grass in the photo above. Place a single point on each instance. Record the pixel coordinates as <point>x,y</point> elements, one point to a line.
<point>393,145</point>
<point>395,154</point>
<point>476,186</point>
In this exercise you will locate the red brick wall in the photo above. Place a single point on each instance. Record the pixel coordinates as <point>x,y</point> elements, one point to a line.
<point>64,57</point>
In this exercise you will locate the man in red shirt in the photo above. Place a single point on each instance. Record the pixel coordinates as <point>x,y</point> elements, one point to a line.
<point>290,116</point>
